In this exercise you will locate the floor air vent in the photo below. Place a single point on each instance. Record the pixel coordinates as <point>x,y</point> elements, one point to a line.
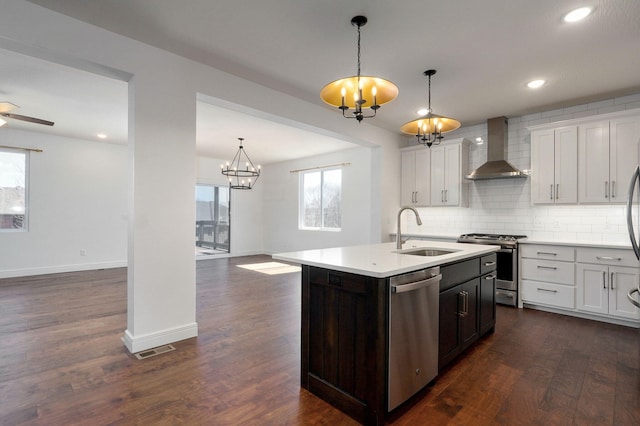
<point>155,351</point>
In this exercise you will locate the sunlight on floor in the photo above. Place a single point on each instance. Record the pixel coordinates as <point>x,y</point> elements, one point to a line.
<point>271,268</point>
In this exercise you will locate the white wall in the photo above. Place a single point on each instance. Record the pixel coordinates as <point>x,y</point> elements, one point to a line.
<point>504,205</point>
<point>77,201</point>
<point>280,201</point>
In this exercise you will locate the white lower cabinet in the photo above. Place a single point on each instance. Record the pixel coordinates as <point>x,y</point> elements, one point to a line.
<point>603,289</point>
<point>591,282</point>
<point>562,296</point>
<point>548,275</point>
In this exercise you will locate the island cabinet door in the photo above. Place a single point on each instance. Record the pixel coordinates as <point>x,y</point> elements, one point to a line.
<point>459,320</point>
<point>469,313</point>
<point>343,341</point>
<point>449,338</point>
<point>487,303</point>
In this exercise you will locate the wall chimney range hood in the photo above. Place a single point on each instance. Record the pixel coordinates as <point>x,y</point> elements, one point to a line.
<point>496,166</point>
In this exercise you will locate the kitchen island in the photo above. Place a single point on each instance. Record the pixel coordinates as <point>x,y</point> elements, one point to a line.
<point>346,298</point>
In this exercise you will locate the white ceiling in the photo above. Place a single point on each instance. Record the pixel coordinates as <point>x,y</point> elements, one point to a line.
<point>484,52</point>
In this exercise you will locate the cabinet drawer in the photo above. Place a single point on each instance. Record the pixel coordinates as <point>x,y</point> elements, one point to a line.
<point>535,251</point>
<point>548,294</point>
<point>459,272</point>
<point>488,263</point>
<point>548,271</point>
<point>603,256</point>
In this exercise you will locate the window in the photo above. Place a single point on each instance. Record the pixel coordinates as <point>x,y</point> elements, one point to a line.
<point>320,199</point>
<point>212,220</point>
<point>13,189</point>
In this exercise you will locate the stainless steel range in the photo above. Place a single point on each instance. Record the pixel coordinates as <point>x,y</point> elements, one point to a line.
<point>507,267</point>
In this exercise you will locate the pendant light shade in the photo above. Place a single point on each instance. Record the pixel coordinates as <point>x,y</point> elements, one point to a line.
<point>429,127</point>
<point>353,95</point>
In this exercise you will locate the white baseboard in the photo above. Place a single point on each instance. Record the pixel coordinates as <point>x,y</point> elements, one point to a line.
<point>12,273</point>
<point>153,340</point>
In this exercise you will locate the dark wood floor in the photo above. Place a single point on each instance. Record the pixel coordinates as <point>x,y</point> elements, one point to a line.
<point>62,361</point>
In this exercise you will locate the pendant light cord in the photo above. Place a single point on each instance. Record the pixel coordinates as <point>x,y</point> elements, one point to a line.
<point>358,54</point>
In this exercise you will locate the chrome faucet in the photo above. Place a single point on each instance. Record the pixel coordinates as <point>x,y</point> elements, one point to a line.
<point>399,241</point>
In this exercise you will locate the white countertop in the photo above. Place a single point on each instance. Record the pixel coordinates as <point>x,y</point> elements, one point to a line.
<point>576,243</point>
<point>383,260</point>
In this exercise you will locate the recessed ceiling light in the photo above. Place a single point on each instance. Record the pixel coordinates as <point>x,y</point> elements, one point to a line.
<point>423,111</point>
<point>101,135</point>
<point>577,14</point>
<point>534,84</point>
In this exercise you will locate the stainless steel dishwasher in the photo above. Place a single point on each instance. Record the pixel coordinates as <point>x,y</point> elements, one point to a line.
<point>413,333</point>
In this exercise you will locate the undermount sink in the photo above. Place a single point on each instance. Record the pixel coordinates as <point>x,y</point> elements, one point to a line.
<point>427,252</point>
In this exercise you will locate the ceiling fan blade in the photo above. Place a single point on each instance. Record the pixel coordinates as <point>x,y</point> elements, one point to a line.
<point>7,106</point>
<point>25,118</point>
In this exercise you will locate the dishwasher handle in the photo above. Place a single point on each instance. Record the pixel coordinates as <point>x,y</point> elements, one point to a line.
<point>416,285</point>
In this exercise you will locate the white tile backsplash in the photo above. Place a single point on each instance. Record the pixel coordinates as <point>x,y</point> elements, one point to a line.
<point>504,205</point>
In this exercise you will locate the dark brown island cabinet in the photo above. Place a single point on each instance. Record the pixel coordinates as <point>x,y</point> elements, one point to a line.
<point>345,338</point>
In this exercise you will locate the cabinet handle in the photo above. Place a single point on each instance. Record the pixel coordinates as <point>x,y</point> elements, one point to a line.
<point>604,279</point>
<point>611,282</point>
<point>490,277</point>
<point>553,268</point>
<point>442,196</point>
<point>465,304</point>
<point>446,196</point>
<point>613,189</point>
<point>547,290</point>
<point>551,192</point>
<point>606,189</point>
<point>557,191</point>
<point>489,263</point>
<point>547,253</point>
<point>609,258</point>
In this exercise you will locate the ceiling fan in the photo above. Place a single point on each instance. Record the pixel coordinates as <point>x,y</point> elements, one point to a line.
<point>7,107</point>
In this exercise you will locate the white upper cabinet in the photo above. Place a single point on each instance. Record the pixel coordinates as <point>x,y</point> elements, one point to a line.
<point>448,163</point>
<point>624,142</point>
<point>554,166</point>
<point>415,177</point>
<point>608,154</point>
<point>593,167</point>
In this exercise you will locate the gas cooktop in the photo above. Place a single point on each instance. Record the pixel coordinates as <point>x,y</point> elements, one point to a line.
<point>491,239</point>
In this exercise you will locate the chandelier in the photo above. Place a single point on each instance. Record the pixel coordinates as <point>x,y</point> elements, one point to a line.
<point>241,170</point>
<point>429,127</point>
<point>353,94</point>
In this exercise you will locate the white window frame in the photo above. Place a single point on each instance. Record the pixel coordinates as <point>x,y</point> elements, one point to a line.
<point>301,200</point>
<point>25,221</point>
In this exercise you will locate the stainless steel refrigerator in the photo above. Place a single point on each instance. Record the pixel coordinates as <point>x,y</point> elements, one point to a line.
<point>633,219</point>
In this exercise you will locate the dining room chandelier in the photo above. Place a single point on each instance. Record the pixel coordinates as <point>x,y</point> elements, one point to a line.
<point>353,95</point>
<point>429,127</point>
<point>241,171</point>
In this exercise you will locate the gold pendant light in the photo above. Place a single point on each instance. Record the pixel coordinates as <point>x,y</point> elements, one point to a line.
<point>429,127</point>
<point>352,95</point>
